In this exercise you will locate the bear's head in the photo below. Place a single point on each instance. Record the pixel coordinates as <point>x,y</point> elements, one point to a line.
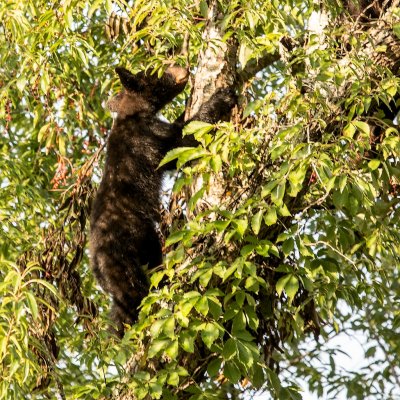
<point>146,92</point>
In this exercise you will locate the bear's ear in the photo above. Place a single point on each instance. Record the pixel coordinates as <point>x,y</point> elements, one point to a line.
<point>128,80</point>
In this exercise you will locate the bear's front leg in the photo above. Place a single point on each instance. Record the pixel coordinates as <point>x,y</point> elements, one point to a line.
<point>217,107</point>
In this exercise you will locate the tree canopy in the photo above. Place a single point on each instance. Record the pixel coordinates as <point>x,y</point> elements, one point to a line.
<point>280,230</point>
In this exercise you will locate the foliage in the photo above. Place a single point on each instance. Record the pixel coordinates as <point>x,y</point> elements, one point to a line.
<point>302,243</point>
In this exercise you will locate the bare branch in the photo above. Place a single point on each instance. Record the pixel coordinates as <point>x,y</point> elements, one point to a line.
<point>255,66</point>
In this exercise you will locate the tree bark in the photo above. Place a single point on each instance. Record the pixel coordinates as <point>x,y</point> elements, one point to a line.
<point>216,62</point>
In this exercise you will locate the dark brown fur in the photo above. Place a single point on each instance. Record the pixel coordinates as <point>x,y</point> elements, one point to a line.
<point>366,10</point>
<point>126,208</point>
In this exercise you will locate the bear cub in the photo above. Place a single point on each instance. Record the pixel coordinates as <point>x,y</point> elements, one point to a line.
<point>126,207</point>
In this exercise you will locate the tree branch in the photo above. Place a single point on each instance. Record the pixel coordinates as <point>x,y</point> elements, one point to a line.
<point>255,66</point>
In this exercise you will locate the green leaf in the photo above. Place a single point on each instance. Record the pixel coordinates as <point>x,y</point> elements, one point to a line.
<point>95,5</point>
<point>245,355</point>
<point>232,372</point>
<point>188,303</point>
<point>267,189</point>
<point>245,54</point>
<point>342,183</point>
<point>374,164</point>
<point>396,29</point>
<point>182,319</point>
<point>156,328</point>
<point>216,163</point>
<point>220,226</point>
<point>205,277</point>
<point>280,285</point>
<point>256,221</point>
<point>172,350</point>
<point>292,287</point>
<point>157,346</point>
<point>251,107</point>
<point>215,307</point>
<point>252,317</point>
<point>210,333</point>
<point>173,379</point>
<point>44,82</point>
<point>274,379</point>
<point>277,194</point>
<point>46,284</point>
<point>202,305</point>
<point>42,134</point>
<point>33,307</point>
<point>349,130</point>
<point>239,322</point>
<point>169,327</point>
<point>203,8</point>
<point>82,56</point>
<point>155,390</point>
<point>240,297</point>
<point>109,6</point>
<point>362,126</point>
<point>183,154</point>
<point>370,352</point>
<point>197,127</point>
<point>258,378</point>
<point>288,246</point>
<point>68,18</point>
<point>175,237</point>
<point>270,218</point>
<point>181,371</point>
<point>214,367</point>
<point>21,83</point>
<point>229,349</point>
<point>61,145</point>
<point>251,19</point>
<point>156,278</point>
<point>195,198</point>
<point>244,335</point>
<point>252,284</point>
<point>186,340</point>
<point>141,392</point>
<point>241,226</point>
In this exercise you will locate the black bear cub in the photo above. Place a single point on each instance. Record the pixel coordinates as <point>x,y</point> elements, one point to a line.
<point>126,208</point>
